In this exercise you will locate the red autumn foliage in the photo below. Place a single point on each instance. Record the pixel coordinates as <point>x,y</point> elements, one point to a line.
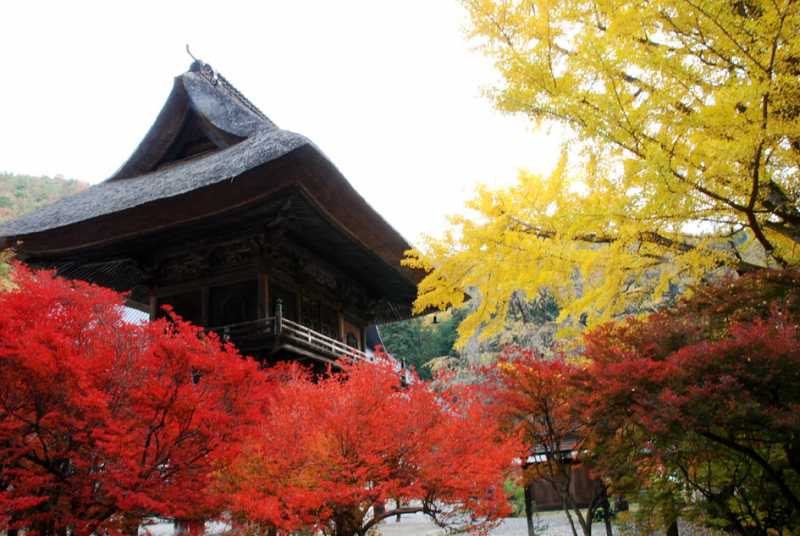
<point>332,450</point>
<point>537,399</point>
<point>104,422</point>
<point>701,403</point>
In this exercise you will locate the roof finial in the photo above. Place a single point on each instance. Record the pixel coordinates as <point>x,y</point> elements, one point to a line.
<point>190,53</point>
<point>199,66</point>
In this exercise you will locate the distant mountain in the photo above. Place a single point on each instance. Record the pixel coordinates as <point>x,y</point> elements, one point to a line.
<point>22,193</point>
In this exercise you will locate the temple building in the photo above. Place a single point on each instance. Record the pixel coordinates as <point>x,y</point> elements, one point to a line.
<point>240,226</point>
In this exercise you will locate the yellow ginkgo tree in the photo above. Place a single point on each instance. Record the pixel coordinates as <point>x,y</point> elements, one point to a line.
<point>684,156</point>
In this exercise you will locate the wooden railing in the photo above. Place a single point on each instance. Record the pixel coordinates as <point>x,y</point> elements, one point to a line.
<point>306,336</point>
<point>251,328</point>
<point>283,328</point>
<point>278,326</point>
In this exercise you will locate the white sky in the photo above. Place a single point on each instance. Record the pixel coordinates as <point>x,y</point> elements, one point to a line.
<point>389,90</point>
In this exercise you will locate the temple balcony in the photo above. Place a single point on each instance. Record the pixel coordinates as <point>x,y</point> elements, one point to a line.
<point>285,336</point>
<point>278,336</point>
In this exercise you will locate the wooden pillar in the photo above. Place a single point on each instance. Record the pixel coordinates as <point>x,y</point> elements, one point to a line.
<point>342,336</point>
<point>278,317</point>
<point>153,306</point>
<point>205,297</point>
<point>263,295</point>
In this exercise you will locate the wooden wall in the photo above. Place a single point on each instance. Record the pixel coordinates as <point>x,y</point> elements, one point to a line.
<point>582,487</point>
<point>220,283</point>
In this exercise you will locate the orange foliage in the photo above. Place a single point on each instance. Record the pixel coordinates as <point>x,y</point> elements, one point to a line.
<point>331,450</point>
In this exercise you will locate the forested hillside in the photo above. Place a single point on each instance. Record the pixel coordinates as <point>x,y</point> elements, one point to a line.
<point>23,193</point>
<point>429,343</point>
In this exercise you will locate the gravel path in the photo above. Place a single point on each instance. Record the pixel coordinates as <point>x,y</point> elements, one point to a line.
<point>551,523</point>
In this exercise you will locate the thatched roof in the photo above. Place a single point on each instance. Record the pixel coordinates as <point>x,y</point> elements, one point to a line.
<point>116,195</point>
<point>251,139</point>
<point>210,157</point>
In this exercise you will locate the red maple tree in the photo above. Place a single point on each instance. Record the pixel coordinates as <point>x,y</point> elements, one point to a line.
<point>341,453</point>
<point>103,422</point>
<point>699,405</point>
<point>536,398</point>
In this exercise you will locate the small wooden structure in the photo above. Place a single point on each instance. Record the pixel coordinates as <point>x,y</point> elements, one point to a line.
<point>240,226</point>
<point>584,489</point>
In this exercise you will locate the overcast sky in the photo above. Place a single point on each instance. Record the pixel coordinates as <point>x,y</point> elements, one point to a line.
<point>389,90</point>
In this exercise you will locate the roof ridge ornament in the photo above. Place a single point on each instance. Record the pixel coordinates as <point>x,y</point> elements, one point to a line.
<point>215,78</point>
<point>190,53</point>
<point>203,68</point>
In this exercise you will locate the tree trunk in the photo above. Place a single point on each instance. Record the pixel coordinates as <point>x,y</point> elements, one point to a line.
<point>348,523</point>
<point>607,519</point>
<point>586,524</point>
<point>190,527</point>
<point>566,509</point>
<point>131,527</point>
<point>529,509</point>
<point>605,504</point>
<point>672,529</point>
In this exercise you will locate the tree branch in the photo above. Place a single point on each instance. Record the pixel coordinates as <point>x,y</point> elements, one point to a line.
<point>389,513</point>
<point>756,457</point>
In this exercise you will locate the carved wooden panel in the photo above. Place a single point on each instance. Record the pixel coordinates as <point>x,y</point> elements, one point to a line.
<point>293,270</point>
<point>198,262</point>
<point>319,316</point>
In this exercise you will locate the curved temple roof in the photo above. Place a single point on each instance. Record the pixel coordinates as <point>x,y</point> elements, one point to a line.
<point>207,133</point>
<point>245,137</point>
<point>121,192</point>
